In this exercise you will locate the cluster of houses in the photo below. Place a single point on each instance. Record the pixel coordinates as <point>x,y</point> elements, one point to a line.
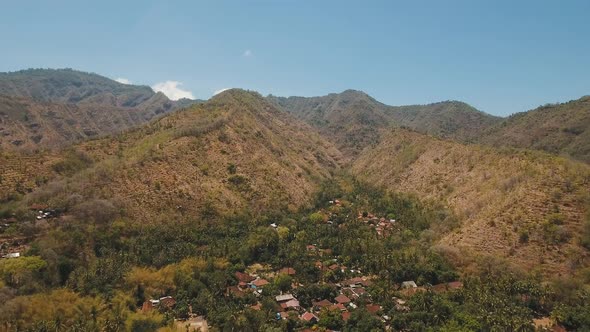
<point>248,283</point>
<point>382,226</point>
<point>351,295</point>
<point>12,247</point>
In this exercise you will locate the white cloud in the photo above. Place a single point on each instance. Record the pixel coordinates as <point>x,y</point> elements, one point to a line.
<point>247,53</point>
<point>123,80</point>
<point>220,91</point>
<point>171,90</point>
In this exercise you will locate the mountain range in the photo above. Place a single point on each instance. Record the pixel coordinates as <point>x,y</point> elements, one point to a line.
<point>49,109</point>
<point>150,159</point>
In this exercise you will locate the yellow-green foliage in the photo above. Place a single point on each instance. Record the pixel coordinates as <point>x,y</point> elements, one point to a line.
<point>24,311</point>
<point>13,270</point>
<point>140,321</point>
<point>160,282</point>
<point>316,217</point>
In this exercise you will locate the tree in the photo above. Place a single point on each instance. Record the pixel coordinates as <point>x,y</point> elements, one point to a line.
<point>15,271</point>
<point>330,319</point>
<point>283,282</point>
<point>316,217</point>
<point>361,320</point>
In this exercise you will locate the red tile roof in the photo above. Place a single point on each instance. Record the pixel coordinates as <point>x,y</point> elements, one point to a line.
<point>342,299</point>
<point>345,316</point>
<point>373,308</point>
<point>244,277</point>
<point>308,316</point>
<point>287,270</point>
<point>322,303</point>
<point>260,282</point>
<point>291,304</point>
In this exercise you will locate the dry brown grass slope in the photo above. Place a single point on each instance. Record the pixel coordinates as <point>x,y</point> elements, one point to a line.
<point>20,173</point>
<point>352,119</point>
<point>27,125</point>
<point>523,205</point>
<point>54,108</point>
<point>233,153</point>
<point>562,129</point>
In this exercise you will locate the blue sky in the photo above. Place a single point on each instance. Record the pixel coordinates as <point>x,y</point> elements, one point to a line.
<point>500,56</point>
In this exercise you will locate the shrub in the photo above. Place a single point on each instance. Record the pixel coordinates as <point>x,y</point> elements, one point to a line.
<point>585,240</point>
<point>316,217</point>
<point>554,233</point>
<point>232,168</point>
<point>73,162</point>
<point>523,237</point>
<point>240,182</point>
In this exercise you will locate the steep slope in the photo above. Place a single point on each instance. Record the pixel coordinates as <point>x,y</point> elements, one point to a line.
<point>353,119</point>
<point>562,129</point>
<point>27,125</point>
<point>448,119</point>
<point>45,108</point>
<point>233,153</point>
<point>71,86</point>
<point>20,174</point>
<point>526,206</point>
<point>350,118</point>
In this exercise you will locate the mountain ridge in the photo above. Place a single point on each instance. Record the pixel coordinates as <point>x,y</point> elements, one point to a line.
<point>562,129</point>
<point>353,118</point>
<point>54,108</point>
<point>231,153</point>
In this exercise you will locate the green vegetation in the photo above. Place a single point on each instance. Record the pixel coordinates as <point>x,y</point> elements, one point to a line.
<point>175,209</point>
<point>98,270</point>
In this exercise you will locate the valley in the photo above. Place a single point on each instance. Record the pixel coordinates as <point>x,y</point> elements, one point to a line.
<point>128,211</point>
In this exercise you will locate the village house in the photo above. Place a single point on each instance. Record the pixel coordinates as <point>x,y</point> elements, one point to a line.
<point>357,282</point>
<point>321,304</point>
<point>288,271</point>
<point>343,299</point>
<point>291,305</point>
<point>309,317</point>
<point>244,277</point>
<point>284,298</point>
<point>346,315</point>
<point>167,302</point>
<point>373,308</point>
<point>287,302</point>
<point>259,283</point>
